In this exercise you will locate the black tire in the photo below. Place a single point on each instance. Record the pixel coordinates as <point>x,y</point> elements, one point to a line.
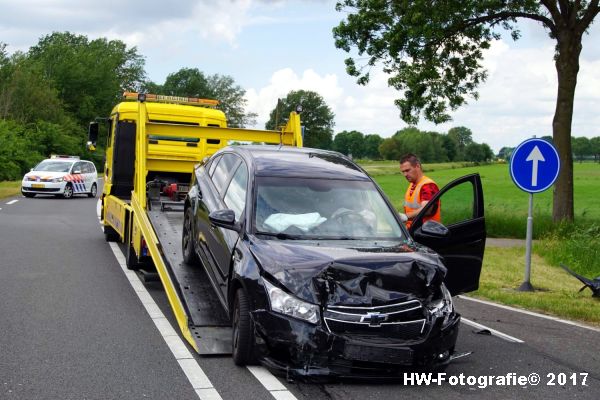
<point>110,235</point>
<point>30,195</point>
<point>242,343</point>
<point>187,239</point>
<point>131,260</point>
<point>68,192</point>
<point>93,191</point>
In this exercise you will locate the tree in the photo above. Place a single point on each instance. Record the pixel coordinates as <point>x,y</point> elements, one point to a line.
<point>372,143</point>
<point>505,153</point>
<point>232,100</point>
<point>191,82</point>
<point>350,143</point>
<point>462,137</point>
<point>581,147</point>
<point>90,76</point>
<point>389,149</point>
<point>317,117</point>
<point>434,56</point>
<point>188,82</point>
<point>595,145</point>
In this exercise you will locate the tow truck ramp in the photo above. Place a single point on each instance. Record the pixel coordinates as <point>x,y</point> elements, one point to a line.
<point>208,321</point>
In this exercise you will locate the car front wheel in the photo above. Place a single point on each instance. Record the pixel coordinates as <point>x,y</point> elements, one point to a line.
<point>243,331</point>
<point>68,192</point>
<point>93,191</point>
<point>28,194</point>
<point>187,239</point>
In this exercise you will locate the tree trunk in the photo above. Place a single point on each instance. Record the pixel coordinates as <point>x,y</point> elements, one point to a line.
<point>567,67</point>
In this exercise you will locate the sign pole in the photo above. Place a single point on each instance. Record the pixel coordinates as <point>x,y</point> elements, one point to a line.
<point>526,285</point>
<point>534,166</point>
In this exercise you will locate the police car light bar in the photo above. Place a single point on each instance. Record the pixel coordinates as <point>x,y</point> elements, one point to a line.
<point>64,156</point>
<point>159,98</point>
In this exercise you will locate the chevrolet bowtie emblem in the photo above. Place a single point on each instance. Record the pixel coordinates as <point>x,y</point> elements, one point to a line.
<point>374,318</point>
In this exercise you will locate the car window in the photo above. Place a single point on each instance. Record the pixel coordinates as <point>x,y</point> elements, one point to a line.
<point>212,166</point>
<point>223,171</point>
<point>458,204</point>
<point>77,167</point>
<point>235,197</point>
<point>323,208</point>
<point>53,166</point>
<point>91,167</point>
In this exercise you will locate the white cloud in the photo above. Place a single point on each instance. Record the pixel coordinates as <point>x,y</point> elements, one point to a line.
<point>263,100</point>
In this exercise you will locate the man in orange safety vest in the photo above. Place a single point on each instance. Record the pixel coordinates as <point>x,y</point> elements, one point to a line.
<point>419,192</point>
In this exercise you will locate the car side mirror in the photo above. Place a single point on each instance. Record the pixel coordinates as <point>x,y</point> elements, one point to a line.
<point>92,136</point>
<point>225,219</point>
<point>77,171</point>
<point>434,228</point>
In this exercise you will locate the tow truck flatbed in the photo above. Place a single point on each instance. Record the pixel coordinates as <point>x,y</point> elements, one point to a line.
<point>208,321</point>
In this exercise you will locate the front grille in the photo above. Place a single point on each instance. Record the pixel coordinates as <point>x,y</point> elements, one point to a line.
<point>404,320</point>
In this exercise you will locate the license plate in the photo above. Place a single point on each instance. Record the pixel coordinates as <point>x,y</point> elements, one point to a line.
<point>37,185</point>
<point>388,355</point>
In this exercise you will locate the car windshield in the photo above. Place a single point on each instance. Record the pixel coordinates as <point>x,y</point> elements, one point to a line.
<point>305,208</point>
<point>53,166</point>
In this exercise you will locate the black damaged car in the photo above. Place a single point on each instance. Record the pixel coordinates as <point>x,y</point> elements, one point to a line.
<point>316,270</point>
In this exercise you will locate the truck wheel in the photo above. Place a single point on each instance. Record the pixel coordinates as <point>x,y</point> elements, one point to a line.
<point>243,331</point>
<point>68,192</point>
<point>110,235</point>
<point>93,191</point>
<point>132,261</point>
<point>187,240</point>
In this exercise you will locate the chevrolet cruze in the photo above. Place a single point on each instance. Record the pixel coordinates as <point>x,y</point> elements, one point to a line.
<point>316,270</point>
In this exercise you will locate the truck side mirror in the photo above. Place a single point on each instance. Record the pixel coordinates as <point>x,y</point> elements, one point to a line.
<point>92,136</point>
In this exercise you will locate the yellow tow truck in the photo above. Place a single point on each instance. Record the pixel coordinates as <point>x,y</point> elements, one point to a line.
<point>154,142</point>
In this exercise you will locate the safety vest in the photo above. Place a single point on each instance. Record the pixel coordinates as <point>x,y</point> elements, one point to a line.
<point>412,201</point>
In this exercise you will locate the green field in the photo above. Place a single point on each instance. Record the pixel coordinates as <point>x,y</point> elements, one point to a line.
<point>506,206</point>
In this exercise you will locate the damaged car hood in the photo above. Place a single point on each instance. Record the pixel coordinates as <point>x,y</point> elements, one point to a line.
<point>365,274</point>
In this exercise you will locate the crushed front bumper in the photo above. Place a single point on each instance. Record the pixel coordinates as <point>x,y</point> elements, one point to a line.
<point>297,349</point>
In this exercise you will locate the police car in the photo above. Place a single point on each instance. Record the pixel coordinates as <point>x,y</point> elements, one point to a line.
<point>61,176</point>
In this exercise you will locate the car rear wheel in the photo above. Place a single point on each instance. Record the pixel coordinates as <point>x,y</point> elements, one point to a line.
<point>68,192</point>
<point>243,331</point>
<point>187,240</point>
<point>93,191</point>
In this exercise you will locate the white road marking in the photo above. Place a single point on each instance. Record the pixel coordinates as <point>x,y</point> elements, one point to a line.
<point>202,386</point>
<point>564,321</point>
<point>492,331</point>
<point>12,202</point>
<point>204,389</point>
<point>271,383</point>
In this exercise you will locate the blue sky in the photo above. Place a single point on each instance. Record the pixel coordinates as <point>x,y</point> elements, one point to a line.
<point>273,46</point>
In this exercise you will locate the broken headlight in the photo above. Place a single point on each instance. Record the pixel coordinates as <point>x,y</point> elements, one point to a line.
<point>442,308</point>
<point>284,303</point>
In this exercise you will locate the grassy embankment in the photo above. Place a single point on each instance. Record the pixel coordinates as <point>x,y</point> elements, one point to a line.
<point>506,207</point>
<point>9,189</point>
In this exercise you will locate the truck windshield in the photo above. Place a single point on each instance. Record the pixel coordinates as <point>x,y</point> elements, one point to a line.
<point>54,166</point>
<point>305,208</point>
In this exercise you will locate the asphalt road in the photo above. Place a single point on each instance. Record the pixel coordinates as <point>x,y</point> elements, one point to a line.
<point>73,327</point>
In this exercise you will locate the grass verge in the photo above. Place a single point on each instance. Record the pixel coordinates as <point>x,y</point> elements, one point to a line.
<point>9,189</point>
<point>557,292</point>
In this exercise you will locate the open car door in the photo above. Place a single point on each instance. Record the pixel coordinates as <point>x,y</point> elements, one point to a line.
<point>460,237</point>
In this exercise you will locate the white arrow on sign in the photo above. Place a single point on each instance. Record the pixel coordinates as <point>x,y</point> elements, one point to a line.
<point>535,156</point>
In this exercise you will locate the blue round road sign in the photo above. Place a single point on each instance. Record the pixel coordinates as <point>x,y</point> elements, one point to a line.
<point>534,165</point>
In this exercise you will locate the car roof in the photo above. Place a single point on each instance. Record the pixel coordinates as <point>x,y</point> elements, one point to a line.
<point>287,161</point>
